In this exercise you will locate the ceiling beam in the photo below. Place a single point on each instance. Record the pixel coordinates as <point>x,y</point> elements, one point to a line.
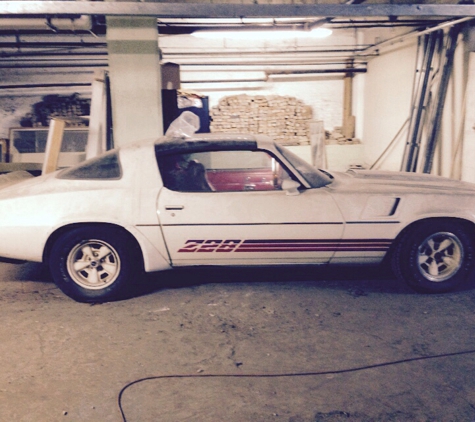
<point>229,10</point>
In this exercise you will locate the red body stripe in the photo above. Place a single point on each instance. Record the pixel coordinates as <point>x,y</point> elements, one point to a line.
<point>294,245</point>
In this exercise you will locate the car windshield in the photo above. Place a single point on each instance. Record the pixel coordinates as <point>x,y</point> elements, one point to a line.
<point>314,177</point>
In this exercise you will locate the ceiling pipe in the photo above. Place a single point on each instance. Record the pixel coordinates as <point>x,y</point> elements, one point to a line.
<point>13,87</point>
<point>294,60</point>
<point>55,54</point>
<point>305,63</point>
<point>270,74</point>
<point>77,23</point>
<point>413,34</point>
<point>215,66</point>
<point>315,71</point>
<point>53,85</point>
<point>54,44</point>
<point>50,65</point>
<point>25,45</point>
<point>94,52</point>
<point>219,81</point>
<point>267,52</point>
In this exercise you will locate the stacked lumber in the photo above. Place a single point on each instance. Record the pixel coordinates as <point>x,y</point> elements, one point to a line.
<point>71,108</point>
<point>285,119</point>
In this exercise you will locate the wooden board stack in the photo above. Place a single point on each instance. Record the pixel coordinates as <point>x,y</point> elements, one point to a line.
<point>285,119</point>
<point>51,106</point>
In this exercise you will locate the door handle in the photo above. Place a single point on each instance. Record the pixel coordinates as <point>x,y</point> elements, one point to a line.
<point>174,207</point>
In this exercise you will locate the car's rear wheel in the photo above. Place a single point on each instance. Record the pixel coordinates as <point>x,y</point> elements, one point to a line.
<point>94,264</point>
<point>435,256</point>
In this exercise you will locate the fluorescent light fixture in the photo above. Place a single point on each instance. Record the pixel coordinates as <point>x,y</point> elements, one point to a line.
<point>263,35</point>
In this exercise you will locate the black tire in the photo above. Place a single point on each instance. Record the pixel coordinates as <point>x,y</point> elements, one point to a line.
<point>94,263</point>
<point>435,256</point>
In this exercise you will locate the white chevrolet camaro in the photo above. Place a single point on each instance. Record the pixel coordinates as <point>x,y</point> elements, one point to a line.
<point>232,200</point>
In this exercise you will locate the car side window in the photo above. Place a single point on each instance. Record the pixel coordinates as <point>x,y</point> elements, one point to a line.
<point>182,173</point>
<point>222,171</point>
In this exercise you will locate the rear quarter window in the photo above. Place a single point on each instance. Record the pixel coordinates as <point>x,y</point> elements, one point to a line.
<point>103,167</point>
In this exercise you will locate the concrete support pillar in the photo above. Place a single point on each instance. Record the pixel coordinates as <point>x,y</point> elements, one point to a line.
<point>358,97</point>
<point>348,118</point>
<point>134,71</point>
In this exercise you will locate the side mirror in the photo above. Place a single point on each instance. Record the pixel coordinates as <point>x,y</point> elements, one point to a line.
<point>291,187</point>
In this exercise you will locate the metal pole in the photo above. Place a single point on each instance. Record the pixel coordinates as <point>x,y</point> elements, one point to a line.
<point>441,95</point>
<point>414,136</point>
<point>416,83</point>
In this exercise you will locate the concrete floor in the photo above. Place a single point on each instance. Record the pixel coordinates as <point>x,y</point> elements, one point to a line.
<point>65,361</point>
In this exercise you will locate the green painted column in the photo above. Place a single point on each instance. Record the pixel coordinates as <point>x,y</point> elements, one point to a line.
<point>135,77</point>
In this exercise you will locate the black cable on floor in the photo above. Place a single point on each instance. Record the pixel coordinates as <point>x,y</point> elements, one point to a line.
<point>289,374</point>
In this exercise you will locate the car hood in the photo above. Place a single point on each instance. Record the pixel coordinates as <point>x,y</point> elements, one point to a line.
<point>402,181</point>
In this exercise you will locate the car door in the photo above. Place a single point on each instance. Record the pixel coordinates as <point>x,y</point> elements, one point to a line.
<point>228,207</point>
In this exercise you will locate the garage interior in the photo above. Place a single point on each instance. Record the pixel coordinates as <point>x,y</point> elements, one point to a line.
<point>391,86</point>
<point>50,61</point>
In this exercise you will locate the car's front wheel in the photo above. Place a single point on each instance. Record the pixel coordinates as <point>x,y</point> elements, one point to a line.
<point>94,264</point>
<point>435,256</point>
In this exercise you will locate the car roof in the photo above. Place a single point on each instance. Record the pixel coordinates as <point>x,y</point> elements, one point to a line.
<point>208,142</point>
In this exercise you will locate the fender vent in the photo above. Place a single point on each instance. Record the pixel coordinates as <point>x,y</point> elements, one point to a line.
<point>380,206</point>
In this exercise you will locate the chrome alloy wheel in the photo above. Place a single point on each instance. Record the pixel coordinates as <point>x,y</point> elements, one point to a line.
<point>93,264</point>
<point>440,256</point>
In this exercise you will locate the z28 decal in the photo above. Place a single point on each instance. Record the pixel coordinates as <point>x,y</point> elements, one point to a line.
<point>297,245</point>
